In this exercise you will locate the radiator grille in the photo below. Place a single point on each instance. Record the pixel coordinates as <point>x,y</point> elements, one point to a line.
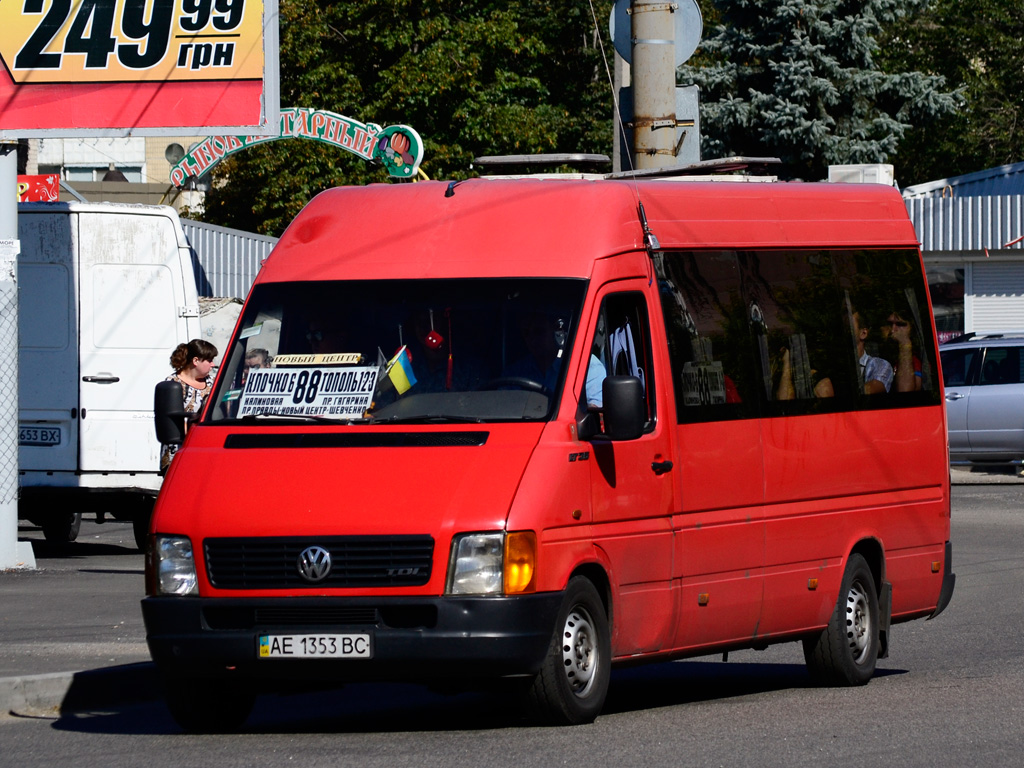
<point>356,561</point>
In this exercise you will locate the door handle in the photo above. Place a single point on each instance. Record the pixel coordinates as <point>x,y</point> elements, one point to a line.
<point>954,396</point>
<point>661,467</point>
<point>102,379</point>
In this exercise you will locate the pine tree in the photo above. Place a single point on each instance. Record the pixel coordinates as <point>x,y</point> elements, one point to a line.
<point>799,80</point>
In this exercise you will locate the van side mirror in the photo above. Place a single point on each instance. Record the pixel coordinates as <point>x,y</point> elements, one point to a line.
<point>169,413</point>
<point>624,413</point>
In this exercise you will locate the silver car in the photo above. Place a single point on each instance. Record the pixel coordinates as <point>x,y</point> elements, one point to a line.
<point>984,383</point>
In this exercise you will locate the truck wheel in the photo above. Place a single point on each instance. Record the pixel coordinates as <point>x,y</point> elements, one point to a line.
<point>573,682</point>
<point>846,651</point>
<point>62,527</point>
<point>201,705</point>
<point>140,524</point>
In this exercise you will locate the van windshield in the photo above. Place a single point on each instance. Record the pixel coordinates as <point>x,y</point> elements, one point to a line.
<point>400,351</point>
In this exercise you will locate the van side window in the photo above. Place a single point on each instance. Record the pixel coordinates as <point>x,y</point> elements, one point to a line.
<point>621,347</point>
<point>783,332</point>
<point>708,336</point>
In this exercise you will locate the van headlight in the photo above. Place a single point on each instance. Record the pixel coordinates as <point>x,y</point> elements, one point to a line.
<point>492,563</point>
<point>175,566</point>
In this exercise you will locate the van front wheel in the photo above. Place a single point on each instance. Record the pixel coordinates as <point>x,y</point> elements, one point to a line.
<point>573,682</point>
<point>846,651</point>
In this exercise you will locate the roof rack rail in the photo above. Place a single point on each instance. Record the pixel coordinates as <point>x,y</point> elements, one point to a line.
<point>575,159</point>
<point>720,165</point>
<point>985,335</point>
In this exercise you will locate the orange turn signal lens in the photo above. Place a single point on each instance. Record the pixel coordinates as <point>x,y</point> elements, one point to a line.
<point>520,562</point>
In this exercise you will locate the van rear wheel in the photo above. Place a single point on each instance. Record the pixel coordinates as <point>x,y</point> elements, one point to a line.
<point>572,684</point>
<point>846,651</point>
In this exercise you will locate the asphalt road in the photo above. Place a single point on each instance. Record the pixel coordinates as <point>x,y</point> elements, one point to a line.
<point>950,694</point>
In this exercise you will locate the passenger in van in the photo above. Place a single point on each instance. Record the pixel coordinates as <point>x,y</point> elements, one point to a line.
<point>898,332</point>
<point>821,384</point>
<point>254,358</point>
<point>876,373</point>
<point>192,364</point>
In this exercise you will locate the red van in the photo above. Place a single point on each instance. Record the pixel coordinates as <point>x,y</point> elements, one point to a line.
<point>527,429</point>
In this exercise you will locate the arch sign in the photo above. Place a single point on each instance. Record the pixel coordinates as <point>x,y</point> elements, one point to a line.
<point>398,147</point>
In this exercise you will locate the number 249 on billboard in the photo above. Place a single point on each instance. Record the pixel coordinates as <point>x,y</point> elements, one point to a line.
<point>67,41</point>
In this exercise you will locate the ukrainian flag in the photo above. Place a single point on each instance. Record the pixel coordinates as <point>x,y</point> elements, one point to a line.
<point>400,371</point>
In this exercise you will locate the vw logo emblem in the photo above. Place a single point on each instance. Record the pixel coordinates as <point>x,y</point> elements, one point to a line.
<point>314,564</point>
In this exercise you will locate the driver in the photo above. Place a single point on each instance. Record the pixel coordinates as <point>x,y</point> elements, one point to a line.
<point>541,334</point>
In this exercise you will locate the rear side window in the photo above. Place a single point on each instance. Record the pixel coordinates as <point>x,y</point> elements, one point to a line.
<point>1001,366</point>
<point>797,331</point>
<point>956,365</point>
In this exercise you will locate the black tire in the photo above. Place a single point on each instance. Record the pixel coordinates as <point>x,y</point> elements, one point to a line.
<point>571,686</point>
<point>62,527</point>
<point>201,705</point>
<point>845,652</point>
<point>140,524</point>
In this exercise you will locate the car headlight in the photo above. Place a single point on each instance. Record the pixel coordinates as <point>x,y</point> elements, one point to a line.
<point>492,563</point>
<point>175,566</point>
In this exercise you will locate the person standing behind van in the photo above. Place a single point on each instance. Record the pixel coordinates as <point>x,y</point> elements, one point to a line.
<point>192,363</point>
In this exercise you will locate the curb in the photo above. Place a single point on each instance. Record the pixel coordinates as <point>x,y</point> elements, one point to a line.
<point>62,692</point>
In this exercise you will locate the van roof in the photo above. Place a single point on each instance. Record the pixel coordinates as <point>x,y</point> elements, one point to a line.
<point>554,227</point>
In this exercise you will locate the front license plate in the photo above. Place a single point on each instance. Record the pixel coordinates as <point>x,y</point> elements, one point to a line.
<point>29,434</point>
<point>356,646</point>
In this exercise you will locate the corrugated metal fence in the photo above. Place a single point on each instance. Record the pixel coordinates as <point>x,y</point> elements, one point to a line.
<point>226,260</point>
<point>968,223</point>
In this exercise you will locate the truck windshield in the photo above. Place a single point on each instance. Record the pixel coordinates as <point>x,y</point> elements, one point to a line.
<point>399,351</point>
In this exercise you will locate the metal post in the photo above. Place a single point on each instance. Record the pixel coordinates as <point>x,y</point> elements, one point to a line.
<point>13,554</point>
<point>654,83</point>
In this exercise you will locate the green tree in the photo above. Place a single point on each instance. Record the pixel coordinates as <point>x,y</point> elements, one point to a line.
<point>977,46</point>
<point>473,77</point>
<point>800,80</point>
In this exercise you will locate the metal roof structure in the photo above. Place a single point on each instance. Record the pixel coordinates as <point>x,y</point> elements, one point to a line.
<point>1002,180</point>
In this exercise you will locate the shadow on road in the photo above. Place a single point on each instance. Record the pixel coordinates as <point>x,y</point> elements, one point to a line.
<point>387,708</point>
<point>81,548</point>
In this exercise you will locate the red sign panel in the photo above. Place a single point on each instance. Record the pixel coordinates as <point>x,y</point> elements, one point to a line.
<point>39,189</point>
<point>104,67</point>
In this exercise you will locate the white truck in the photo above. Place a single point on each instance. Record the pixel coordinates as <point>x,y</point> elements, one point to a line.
<point>106,291</point>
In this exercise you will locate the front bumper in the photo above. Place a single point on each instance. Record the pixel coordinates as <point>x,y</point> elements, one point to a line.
<point>413,638</point>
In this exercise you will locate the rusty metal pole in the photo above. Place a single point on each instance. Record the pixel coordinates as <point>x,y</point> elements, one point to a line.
<point>654,83</point>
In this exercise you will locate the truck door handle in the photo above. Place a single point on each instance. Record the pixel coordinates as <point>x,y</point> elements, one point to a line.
<point>954,396</point>
<point>661,467</point>
<point>103,379</point>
